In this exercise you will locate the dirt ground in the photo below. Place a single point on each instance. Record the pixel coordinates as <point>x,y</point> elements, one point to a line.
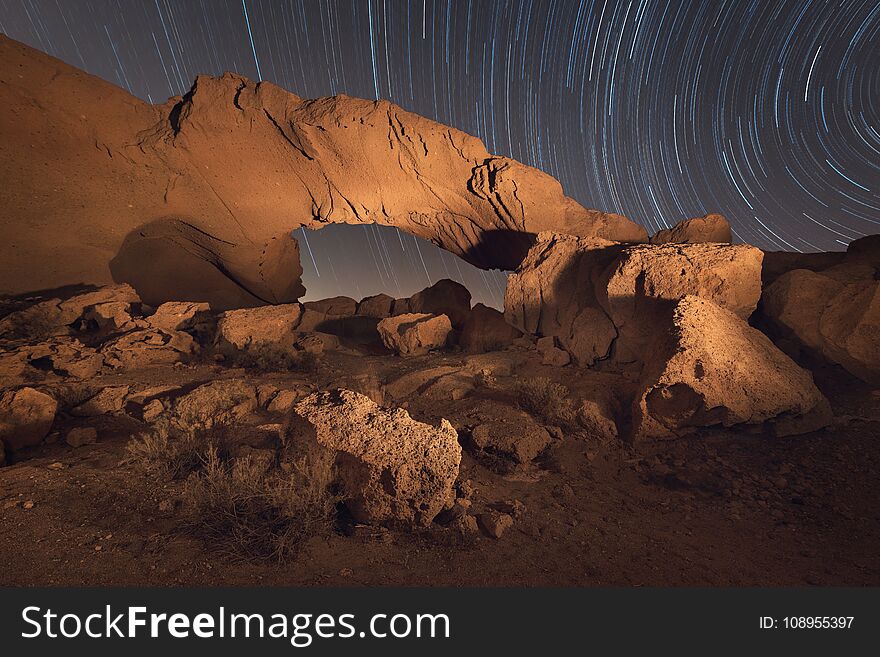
<point>716,509</point>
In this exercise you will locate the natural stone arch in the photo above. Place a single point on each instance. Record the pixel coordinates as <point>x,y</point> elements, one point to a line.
<point>226,173</point>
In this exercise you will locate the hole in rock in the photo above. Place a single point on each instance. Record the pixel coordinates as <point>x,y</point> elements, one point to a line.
<point>365,259</point>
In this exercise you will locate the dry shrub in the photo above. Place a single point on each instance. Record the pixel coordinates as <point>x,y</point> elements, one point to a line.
<point>274,358</point>
<point>547,400</point>
<point>172,453</point>
<point>242,507</point>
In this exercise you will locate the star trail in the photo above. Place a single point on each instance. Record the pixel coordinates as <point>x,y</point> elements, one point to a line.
<point>765,111</point>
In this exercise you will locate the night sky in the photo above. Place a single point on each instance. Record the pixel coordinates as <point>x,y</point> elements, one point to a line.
<point>765,111</point>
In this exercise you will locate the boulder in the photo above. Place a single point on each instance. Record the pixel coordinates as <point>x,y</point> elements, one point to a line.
<point>643,284</point>
<point>26,415</point>
<point>65,356</point>
<point>596,419</point>
<point>108,400</point>
<point>445,297</point>
<point>334,306</point>
<point>551,354</point>
<point>486,330</point>
<point>865,250</point>
<point>180,315</point>
<point>108,317</point>
<point>81,436</point>
<point>711,228</point>
<point>388,467</point>
<point>552,294</point>
<point>834,313</point>
<point>216,403</point>
<point>414,334</point>
<point>239,330</point>
<point>713,369</point>
<point>516,437</point>
<point>148,347</point>
<point>378,306</point>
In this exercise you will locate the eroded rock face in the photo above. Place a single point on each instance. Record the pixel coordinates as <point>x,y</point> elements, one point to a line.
<point>714,369</point>
<point>26,415</point>
<point>197,197</point>
<point>146,347</point>
<point>644,282</point>
<point>180,315</point>
<point>485,329</point>
<point>414,334</point>
<point>390,468</point>
<point>215,403</point>
<point>552,294</point>
<point>711,228</point>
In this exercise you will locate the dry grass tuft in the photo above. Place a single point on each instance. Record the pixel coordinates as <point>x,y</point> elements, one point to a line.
<point>547,400</point>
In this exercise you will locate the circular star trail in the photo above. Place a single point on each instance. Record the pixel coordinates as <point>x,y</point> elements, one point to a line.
<point>765,111</point>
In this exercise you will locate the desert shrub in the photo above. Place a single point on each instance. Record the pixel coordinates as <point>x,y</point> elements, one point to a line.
<point>172,453</point>
<point>245,508</point>
<point>274,358</point>
<point>547,400</point>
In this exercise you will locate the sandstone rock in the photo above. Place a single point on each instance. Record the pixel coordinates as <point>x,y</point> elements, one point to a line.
<point>108,400</point>
<point>445,297</point>
<point>335,306</point>
<point>414,334</point>
<point>239,330</point>
<point>642,285</point>
<point>148,347</point>
<point>283,401</point>
<point>65,356</point>
<point>378,305</point>
<point>313,343</point>
<point>195,199</point>
<point>26,415</point>
<point>516,437</point>
<point>389,467</point>
<point>180,315</point>
<point>597,420</point>
<point>711,228</point>
<point>81,436</point>
<point>714,369</point>
<point>795,301</point>
<point>108,317</point>
<point>552,294</point>
<point>551,354</point>
<point>486,330</point>
<point>219,402</point>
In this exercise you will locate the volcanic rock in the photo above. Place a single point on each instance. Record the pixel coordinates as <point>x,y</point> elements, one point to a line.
<point>81,436</point>
<point>486,330</point>
<point>197,197</point>
<point>180,315</point>
<point>445,297</point>
<point>414,334</point>
<point>148,347</point>
<point>714,369</point>
<point>516,437</point>
<point>219,402</point>
<point>389,467</point>
<point>378,306</point>
<point>108,400</point>
<point>552,294</point>
<point>240,330</point>
<point>711,228</point>
<point>642,285</point>
<point>26,415</point>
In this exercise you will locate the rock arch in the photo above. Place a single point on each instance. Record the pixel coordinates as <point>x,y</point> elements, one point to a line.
<point>105,186</point>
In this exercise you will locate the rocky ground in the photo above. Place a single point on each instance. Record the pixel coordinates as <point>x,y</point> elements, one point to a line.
<point>546,494</point>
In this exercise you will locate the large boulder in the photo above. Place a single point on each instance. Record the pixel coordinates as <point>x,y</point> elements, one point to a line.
<point>552,294</point>
<point>414,334</point>
<point>378,305</point>
<point>794,304</point>
<point>388,467</point>
<point>485,329</point>
<point>334,306</point>
<point>26,415</point>
<point>850,330</point>
<point>711,228</point>
<point>181,315</point>
<point>644,282</point>
<point>246,328</point>
<point>445,297</point>
<point>713,369</point>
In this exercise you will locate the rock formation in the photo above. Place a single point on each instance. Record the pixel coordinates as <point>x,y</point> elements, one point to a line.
<point>196,199</point>
<point>390,467</point>
<point>414,334</point>
<point>711,228</point>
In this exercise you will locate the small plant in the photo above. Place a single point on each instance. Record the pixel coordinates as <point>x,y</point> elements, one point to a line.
<point>273,358</point>
<point>171,453</point>
<point>548,400</point>
<point>243,507</point>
